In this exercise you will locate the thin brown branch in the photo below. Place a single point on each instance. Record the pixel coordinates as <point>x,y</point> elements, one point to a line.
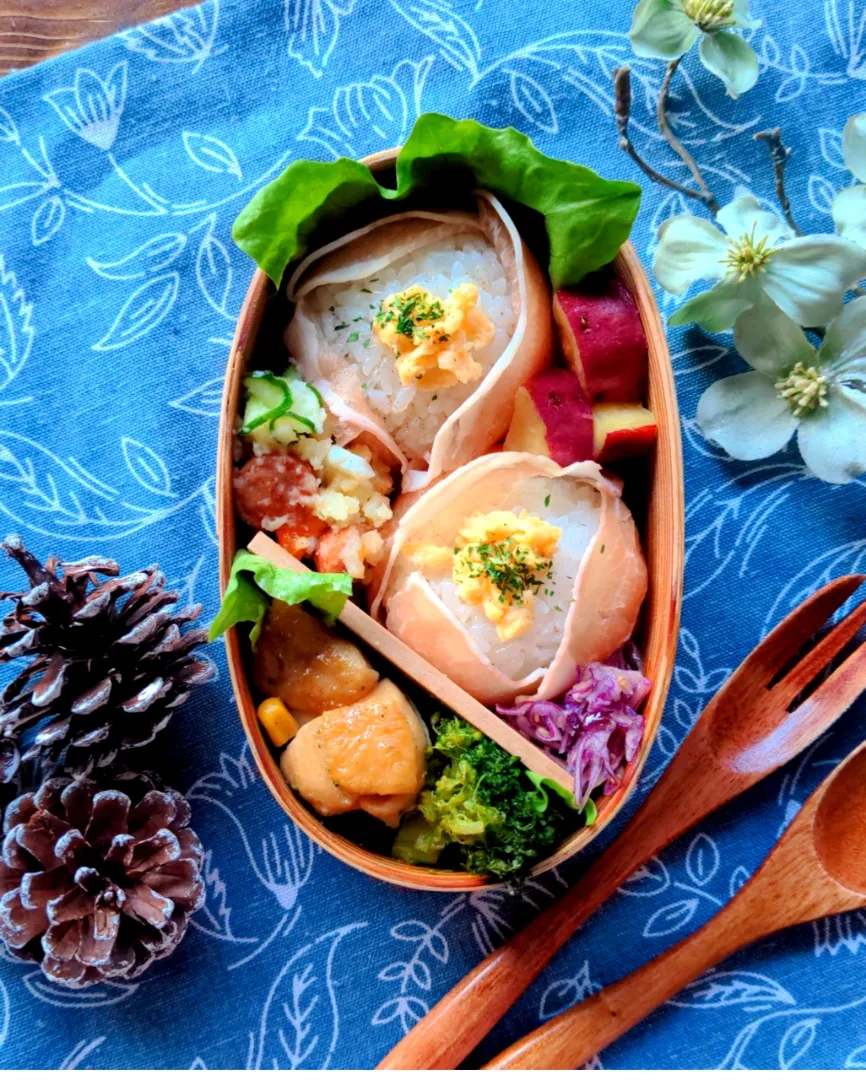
<point>778,152</point>
<point>622,112</point>
<point>706,196</point>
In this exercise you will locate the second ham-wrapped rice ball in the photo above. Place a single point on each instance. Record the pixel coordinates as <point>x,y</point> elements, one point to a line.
<point>511,571</point>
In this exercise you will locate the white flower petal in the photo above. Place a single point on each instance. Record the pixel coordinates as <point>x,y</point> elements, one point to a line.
<point>745,416</point>
<point>854,145</point>
<point>690,248</point>
<point>745,215</point>
<point>833,440</point>
<point>849,214</point>
<point>770,341</point>
<point>719,308</point>
<point>808,276</point>
<point>843,350</point>
<point>743,17</point>
<point>730,58</point>
<point>661,28</point>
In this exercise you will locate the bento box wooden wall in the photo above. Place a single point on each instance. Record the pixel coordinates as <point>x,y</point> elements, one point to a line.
<point>662,529</point>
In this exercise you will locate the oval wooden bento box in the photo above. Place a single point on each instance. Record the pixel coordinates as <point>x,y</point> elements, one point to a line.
<point>662,535</point>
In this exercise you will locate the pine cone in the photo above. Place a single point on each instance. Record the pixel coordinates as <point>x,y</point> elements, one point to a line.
<point>111,663</point>
<point>99,881</point>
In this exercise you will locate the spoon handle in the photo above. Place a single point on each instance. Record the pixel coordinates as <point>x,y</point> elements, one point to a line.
<point>572,1038</point>
<point>458,1023</point>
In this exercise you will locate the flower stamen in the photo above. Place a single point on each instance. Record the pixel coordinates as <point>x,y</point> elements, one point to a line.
<point>710,15</point>
<point>804,390</point>
<point>747,257</point>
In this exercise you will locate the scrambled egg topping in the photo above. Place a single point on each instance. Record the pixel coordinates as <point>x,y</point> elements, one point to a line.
<point>499,560</point>
<point>434,339</point>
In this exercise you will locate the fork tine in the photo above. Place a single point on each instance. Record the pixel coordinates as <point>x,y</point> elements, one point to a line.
<point>802,623</point>
<point>818,658</point>
<point>836,694</point>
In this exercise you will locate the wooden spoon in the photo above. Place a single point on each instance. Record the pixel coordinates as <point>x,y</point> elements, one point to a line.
<point>744,733</point>
<point>818,868</point>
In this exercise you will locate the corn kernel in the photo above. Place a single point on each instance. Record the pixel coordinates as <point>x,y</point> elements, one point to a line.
<point>277,721</point>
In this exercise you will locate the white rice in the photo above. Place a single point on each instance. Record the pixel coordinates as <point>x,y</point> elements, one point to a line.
<point>412,416</point>
<point>576,509</point>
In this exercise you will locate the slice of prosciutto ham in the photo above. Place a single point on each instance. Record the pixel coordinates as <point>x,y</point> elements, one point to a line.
<point>482,419</point>
<point>608,568</point>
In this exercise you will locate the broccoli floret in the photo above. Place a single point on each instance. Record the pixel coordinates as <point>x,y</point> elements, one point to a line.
<point>481,808</point>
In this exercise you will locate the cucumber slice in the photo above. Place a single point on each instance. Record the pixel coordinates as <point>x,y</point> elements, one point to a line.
<point>269,391</point>
<point>281,407</point>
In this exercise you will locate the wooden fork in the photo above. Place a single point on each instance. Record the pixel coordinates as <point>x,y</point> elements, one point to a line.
<point>744,733</point>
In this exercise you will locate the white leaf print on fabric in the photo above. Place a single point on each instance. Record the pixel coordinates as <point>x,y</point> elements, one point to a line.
<point>8,127</point>
<point>141,312</point>
<point>532,101</point>
<point>692,678</point>
<point>185,37</point>
<point>857,1058</point>
<point>797,1041</point>
<point>650,880</point>
<point>831,148</point>
<point>366,115</point>
<point>150,257</point>
<point>702,859</point>
<point>213,271</point>
<point>21,191</point>
<point>279,855</point>
<point>564,993</point>
<point>47,495</point>
<point>313,27</point>
<point>16,327</point>
<point>204,400</point>
<point>80,1051</point>
<point>845,29</point>
<point>108,992</point>
<point>725,989</point>
<point>430,943</point>
<point>847,558</point>
<point>211,154</point>
<point>300,1023</point>
<point>725,523</point>
<point>738,879</point>
<point>454,36</point>
<point>671,918</point>
<point>821,194</point>
<point>47,219</point>
<point>147,467</point>
<point>840,932</point>
<point>794,1039</point>
<point>92,107</point>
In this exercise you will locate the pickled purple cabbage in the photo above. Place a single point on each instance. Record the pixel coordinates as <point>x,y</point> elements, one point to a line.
<point>595,726</point>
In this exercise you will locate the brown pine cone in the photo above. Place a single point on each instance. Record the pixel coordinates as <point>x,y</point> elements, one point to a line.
<point>108,662</point>
<point>99,880</point>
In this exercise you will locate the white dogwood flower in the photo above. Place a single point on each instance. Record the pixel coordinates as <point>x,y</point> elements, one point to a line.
<point>806,276</point>
<point>819,393</point>
<point>668,28</point>
<point>849,206</point>
<point>92,107</point>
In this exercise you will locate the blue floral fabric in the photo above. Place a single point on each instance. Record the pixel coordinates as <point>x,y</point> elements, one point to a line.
<point>122,167</point>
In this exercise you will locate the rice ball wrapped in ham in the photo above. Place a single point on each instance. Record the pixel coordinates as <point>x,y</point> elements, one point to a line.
<point>511,571</point>
<point>418,329</point>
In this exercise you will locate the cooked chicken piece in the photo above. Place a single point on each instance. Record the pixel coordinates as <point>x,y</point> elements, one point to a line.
<point>366,756</point>
<point>301,661</point>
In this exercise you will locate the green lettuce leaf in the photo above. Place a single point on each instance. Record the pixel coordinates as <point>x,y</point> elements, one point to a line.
<point>253,579</point>
<point>587,218</point>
